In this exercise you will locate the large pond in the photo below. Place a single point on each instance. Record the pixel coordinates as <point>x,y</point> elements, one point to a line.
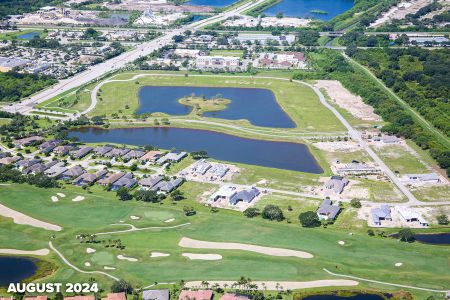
<point>333,297</point>
<point>281,155</point>
<point>307,8</point>
<point>15,269</point>
<point>28,35</point>
<point>258,106</point>
<point>215,3</point>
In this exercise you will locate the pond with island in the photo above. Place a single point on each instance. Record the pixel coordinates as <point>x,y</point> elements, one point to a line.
<point>324,10</point>
<point>258,106</point>
<point>280,155</point>
<point>15,269</point>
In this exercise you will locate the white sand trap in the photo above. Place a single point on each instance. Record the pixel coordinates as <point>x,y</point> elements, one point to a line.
<point>54,199</point>
<point>134,217</point>
<point>78,199</point>
<point>342,243</point>
<point>61,195</point>
<point>121,257</point>
<point>108,268</point>
<point>169,220</point>
<point>159,254</point>
<point>190,243</point>
<point>90,250</point>
<point>87,264</point>
<point>399,264</point>
<point>40,252</point>
<point>196,256</point>
<point>287,285</point>
<point>20,218</point>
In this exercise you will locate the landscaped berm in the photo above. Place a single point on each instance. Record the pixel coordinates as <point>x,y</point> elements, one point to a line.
<point>209,245</point>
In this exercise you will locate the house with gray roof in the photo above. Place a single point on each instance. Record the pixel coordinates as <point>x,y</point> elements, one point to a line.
<point>88,178</point>
<point>26,163</point>
<point>110,178</point>
<point>56,170</point>
<point>155,294</point>
<point>380,214</point>
<point>39,168</point>
<point>28,141</point>
<point>102,150</point>
<point>48,146</point>
<point>63,149</point>
<point>424,178</point>
<point>167,186</point>
<point>126,181</point>
<point>327,211</point>
<point>171,157</point>
<point>133,154</point>
<point>219,170</point>
<point>82,152</point>
<point>336,184</point>
<point>149,182</point>
<point>245,196</point>
<point>73,172</point>
<point>201,167</point>
<point>117,152</point>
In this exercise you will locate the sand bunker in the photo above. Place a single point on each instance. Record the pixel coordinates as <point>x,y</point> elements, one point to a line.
<point>54,199</point>
<point>108,268</point>
<point>121,257</point>
<point>195,256</point>
<point>399,264</point>
<point>61,195</point>
<point>342,243</point>
<point>90,250</point>
<point>169,220</point>
<point>190,243</point>
<point>287,285</point>
<point>87,264</point>
<point>40,252</point>
<point>346,100</point>
<point>20,218</point>
<point>134,217</point>
<point>159,254</point>
<point>78,198</point>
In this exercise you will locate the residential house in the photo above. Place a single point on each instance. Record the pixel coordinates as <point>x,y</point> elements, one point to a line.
<point>89,178</point>
<point>28,141</point>
<point>410,215</point>
<point>116,296</point>
<point>424,178</point>
<point>39,168</point>
<point>149,182</point>
<point>36,298</point>
<point>82,152</point>
<point>327,211</point>
<point>196,295</point>
<point>171,157</point>
<point>48,146</point>
<point>167,186</point>
<point>133,154</point>
<point>73,172</point>
<point>151,156</point>
<point>336,184</point>
<point>26,163</point>
<point>245,196</point>
<point>201,167</point>
<point>380,214</point>
<point>110,178</point>
<point>102,150</point>
<point>80,298</point>
<point>56,170</point>
<point>156,294</point>
<point>229,296</point>
<point>126,181</point>
<point>63,150</point>
<point>219,170</point>
<point>8,160</point>
<point>225,192</point>
<point>357,168</point>
<point>117,152</point>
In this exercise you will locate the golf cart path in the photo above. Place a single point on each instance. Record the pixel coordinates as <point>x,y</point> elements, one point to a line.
<point>196,244</point>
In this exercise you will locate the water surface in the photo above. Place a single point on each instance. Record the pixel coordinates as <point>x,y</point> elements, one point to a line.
<point>215,3</point>
<point>303,8</point>
<point>258,106</point>
<point>434,238</point>
<point>14,269</point>
<point>28,35</point>
<point>280,155</point>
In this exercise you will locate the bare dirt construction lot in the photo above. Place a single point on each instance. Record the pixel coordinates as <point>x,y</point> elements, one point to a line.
<point>346,100</point>
<point>399,11</point>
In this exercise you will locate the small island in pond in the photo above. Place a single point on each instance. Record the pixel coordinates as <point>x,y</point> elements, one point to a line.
<point>318,12</point>
<point>201,104</point>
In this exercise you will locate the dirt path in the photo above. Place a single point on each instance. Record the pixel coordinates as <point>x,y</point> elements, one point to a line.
<point>190,243</point>
<point>287,285</point>
<point>40,252</point>
<point>20,218</point>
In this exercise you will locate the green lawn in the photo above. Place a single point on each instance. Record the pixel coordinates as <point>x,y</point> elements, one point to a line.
<point>238,53</point>
<point>401,160</point>
<point>374,258</point>
<point>14,34</point>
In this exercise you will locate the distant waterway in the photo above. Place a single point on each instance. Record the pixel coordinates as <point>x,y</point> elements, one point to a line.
<point>280,155</point>
<point>215,3</point>
<point>28,35</point>
<point>305,8</point>
<point>14,269</point>
<point>434,238</point>
<point>258,106</point>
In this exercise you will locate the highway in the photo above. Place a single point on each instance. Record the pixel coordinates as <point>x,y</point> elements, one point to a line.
<point>120,61</point>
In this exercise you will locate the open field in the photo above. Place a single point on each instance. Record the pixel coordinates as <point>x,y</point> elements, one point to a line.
<point>300,102</point>
<point>100,209</point>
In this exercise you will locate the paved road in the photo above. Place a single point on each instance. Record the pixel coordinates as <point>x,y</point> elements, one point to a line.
<point>120,61</point>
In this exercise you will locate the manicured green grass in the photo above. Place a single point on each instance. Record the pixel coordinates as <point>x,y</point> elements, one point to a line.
<point>374,258</point>
<point>15,34</point>
<point>238,53</point>
<point>298,101</point>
